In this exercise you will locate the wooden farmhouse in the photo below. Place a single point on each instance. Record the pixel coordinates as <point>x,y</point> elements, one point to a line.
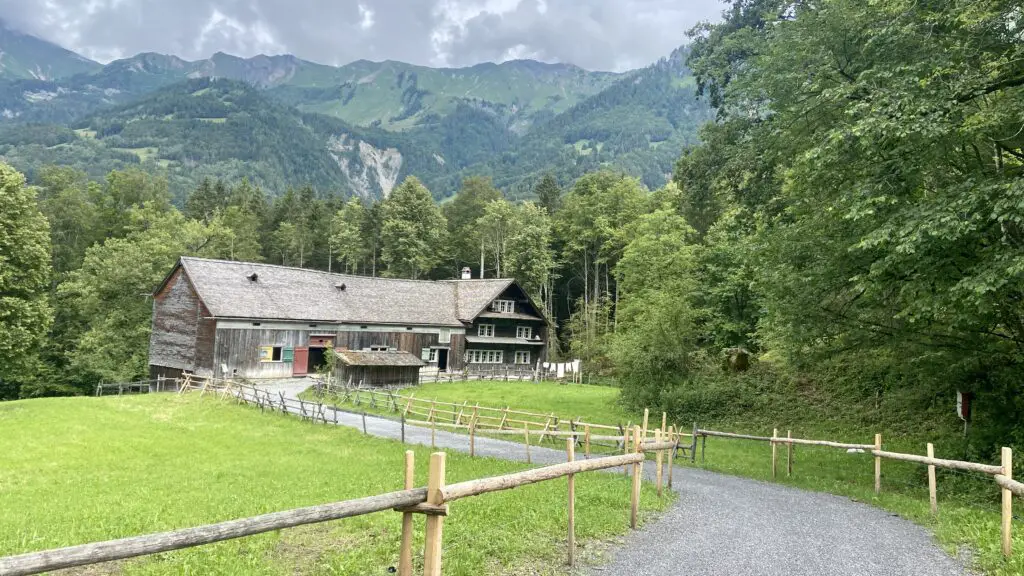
<point>226,319</point>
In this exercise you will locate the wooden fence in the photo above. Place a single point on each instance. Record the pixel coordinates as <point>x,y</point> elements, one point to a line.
<point>159,384</point>
<point>431,501</point>
<point>509,422</point>
<point>1002,474</point>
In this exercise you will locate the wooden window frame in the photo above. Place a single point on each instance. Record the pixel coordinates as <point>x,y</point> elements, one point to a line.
<point>527,329</point>
<point>522,354</point>
<point>503,306</point>
<point>485,356</point>
<point>480,330</point>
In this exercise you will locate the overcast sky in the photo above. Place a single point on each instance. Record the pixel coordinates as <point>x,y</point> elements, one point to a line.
<point>594,34</point>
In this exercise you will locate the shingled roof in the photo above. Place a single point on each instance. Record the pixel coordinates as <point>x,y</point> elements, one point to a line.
<point>283,293</point>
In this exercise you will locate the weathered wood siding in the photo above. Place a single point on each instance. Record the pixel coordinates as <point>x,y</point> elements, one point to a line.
<point>457,353</point>
<point>379,375</point>
<point>176,317</point>
<point>506,328</point>
<point>239,348</point>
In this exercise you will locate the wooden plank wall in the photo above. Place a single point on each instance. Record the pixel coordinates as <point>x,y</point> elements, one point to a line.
<point>238,349</point>
<point>176,313</point>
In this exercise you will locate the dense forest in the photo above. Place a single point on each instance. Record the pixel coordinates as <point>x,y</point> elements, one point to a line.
<point>846,233</point>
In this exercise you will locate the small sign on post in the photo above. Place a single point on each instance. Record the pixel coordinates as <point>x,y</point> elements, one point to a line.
<point>963,409</point>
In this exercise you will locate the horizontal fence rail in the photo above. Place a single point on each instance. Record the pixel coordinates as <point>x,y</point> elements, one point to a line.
<point>514,422</point>
<point>1001,474</point>
<point>431,500</point>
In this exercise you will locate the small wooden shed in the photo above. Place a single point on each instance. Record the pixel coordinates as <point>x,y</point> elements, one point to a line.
<point>378,368</point>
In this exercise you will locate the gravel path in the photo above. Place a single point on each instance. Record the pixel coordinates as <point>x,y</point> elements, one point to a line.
<point>724,525</point>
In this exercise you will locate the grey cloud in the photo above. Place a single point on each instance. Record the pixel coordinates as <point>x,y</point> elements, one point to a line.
<point>595,34</point>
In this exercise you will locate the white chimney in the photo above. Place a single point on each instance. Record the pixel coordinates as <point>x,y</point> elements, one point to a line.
<point>467,273</point>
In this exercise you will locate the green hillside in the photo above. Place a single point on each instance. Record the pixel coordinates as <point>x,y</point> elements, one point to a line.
<point>639,125</point>
<point>356,129</point>
<point>23,56</point>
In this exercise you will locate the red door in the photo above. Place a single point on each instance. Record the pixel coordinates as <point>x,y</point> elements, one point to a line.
<point>300,363</point>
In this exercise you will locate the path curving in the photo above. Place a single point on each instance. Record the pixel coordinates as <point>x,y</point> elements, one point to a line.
<point>724,525</point>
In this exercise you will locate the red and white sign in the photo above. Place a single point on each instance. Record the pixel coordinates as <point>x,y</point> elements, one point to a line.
<point>963,405</point>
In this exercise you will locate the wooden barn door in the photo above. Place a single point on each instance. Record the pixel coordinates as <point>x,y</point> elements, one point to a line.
<point>300,364</point>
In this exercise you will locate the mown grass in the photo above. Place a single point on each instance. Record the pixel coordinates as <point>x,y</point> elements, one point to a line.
<point>968,519</point>
<point>76,470</point>
<point>596,404</point>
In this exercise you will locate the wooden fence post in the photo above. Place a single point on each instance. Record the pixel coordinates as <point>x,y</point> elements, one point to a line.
<point>472,437</point>
<point>625,449</point>
<point>1007,462</point>
<point>405,554</point>
<point>526,436</point>
<point>878,465</point>
<point>634,505</point>
<point>586,440</point>
<point>672,452</point>
<point>658,457</point>
<point>693,446</point>
<point>789,453</point>
<point>643,437</point>
<point>775,451</point>
<point>932,496</point>
<point>435,523</point>
<point>570,450</point>
<point>433,434</point>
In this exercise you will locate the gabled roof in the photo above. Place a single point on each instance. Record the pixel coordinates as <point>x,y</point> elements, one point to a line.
<point>284,293</point>
<point>364,358</point>
<point>473,296</point>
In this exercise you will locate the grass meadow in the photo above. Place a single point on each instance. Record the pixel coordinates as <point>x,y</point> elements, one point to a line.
<point>77,470</point>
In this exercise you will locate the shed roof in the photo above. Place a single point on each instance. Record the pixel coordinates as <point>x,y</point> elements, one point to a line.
<point>284,293</point>
<point>389,358</point>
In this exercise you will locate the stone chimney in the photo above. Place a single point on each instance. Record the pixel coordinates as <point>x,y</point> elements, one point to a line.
<point>467,273</point>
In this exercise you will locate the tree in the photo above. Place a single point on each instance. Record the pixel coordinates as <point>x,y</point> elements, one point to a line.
<point>348,241</point>
<point>69,202</point>
<point>463,213</point>
<point>496,227</point>
<point>109,290</point>
<point>25,313</point>
<point>548,193</point>
<point>529,257</point>
<point>207,200</point>
<point>658,324</point>
<point>413,231</point>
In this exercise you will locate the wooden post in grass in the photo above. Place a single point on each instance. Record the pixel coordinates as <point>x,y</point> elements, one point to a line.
<point>775,451</point>
<point>932,497</point>
<point>433,434</point>
<point>408,404</point>
<point>405,554</point>
<point>570,450</point>
<point>625,449</point>
<point>664,421</point>
<point>634,501</point>
<point>586,440</point>
<point>435,523</point>
<point>658,457</point>
<point>472,437</point>
<point>789,453</point>
<point>1007,502</point>
<point>526,436</point>
<point>878,465</point>
<point>672,452</point>
<point>647,413</point>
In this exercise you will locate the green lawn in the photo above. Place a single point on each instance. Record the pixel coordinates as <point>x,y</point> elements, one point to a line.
<point>596,404</point>
<point>76,470</point>
<point>968,504</point>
